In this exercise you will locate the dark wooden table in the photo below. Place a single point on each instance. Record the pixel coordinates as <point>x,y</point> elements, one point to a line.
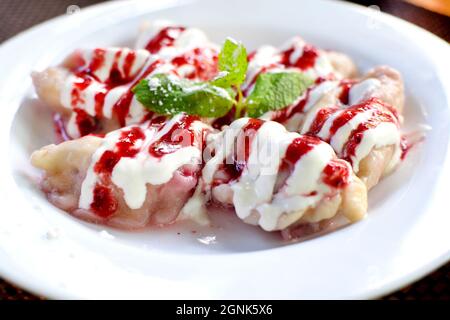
<point>18,15</point>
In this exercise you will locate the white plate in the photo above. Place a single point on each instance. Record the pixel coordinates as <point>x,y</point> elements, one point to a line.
<point>405,236</point>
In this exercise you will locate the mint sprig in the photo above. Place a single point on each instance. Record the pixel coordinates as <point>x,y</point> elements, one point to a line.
<point>165,94</point>
<point>275,90</point>
<point>170,95</point>
<point>232,64</point>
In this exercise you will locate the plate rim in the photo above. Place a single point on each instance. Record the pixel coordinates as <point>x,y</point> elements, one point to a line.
<point>34,285</point>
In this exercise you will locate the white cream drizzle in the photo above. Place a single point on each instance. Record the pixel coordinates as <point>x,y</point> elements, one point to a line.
<point>86,96</point>
<point>384,134</point>
<point>341,136</point>
<point>264,56</point>
<point>318,92</point>
<point>71,127</point>
<point>256,184</point>
<point>150,29</point>
<point>363,90</point>
<point>223,144</point>
<point>111,99</point>
<point>132,174</point>
<point>189,39</point>
<point>295,196</point>
<point>253,191</point>
<point>322,66</point>
<point>313,96</point>
<point>89,182</point>
<point>103,72</point>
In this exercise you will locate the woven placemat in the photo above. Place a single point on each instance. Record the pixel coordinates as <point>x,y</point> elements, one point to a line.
<point>18,15</point>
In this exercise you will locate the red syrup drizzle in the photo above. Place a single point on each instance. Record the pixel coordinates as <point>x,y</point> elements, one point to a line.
<point>98,59</point>
<point>204,62</point>
<point>157,121</point>
<point>305,61</point>
<point>233,167</point>
<point>372,103</point>
<point>166,37</point>
<point>124,148</point>
<point>283,115</point>
<point>180,135</point>
<point>116,76</point>
<point>345,116</point>
<point>128,63</point>
<point>297,149</point>
<point>246,90</point>
<point>345,85</point>
<point>251,55</point>
<point>357,134</point>
<point>224,120</point>
<point>381,113</point>
<point>406,147</point>
<point>336,174</point>
<point>321,116</point>
<point>86,124</point>
<point>122,107</point>
<point>409,141</point>
<point>81,83</point>
<point>115,79</point>
<point>104,203</point>
<point>85,76</point>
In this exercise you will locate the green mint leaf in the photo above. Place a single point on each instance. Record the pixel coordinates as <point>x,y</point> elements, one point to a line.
<point>232,64</point>
<point>276,90</point>
<point>165,94</point>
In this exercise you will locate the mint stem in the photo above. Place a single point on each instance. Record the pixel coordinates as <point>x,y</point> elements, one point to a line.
<point>240,104</point>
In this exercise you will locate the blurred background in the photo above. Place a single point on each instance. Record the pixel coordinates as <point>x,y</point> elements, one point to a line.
<point>433,15</point>
<point>18,15</point>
